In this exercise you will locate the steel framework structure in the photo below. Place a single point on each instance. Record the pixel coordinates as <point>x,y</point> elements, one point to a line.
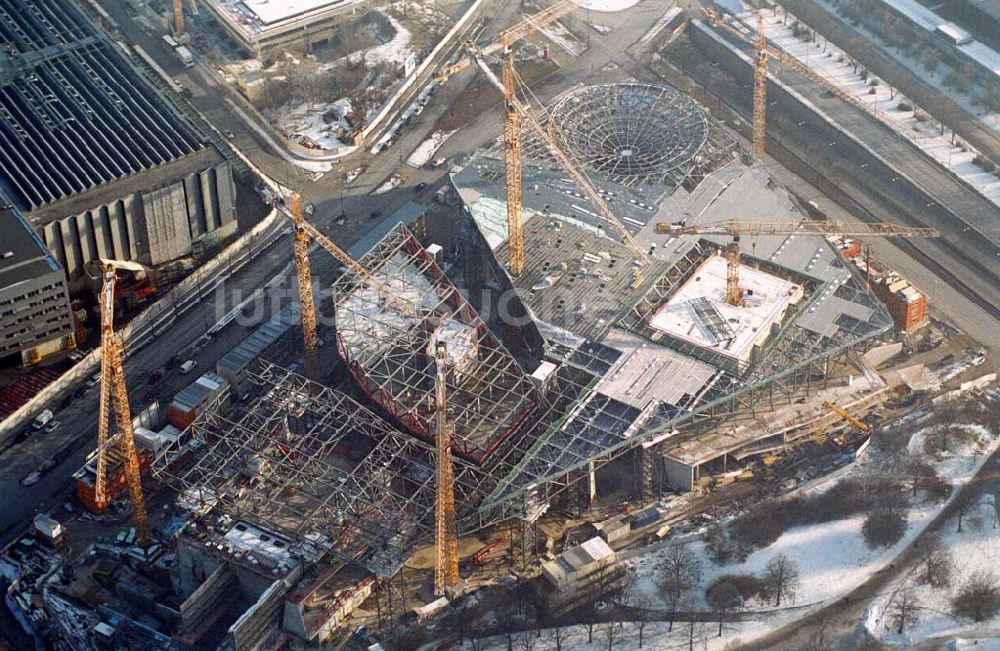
<point>315,465</point>
<point>386,349</point>
<point>630,131</point>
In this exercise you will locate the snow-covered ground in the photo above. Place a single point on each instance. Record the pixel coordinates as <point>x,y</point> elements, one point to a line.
<point>392,182</point>
<point>308,122</point>
<point>831,557</point>
<point>565,39</point>
<point>975,549</point>
<point>395,51</point>
<point>834,64</point>
<point>426,150</point>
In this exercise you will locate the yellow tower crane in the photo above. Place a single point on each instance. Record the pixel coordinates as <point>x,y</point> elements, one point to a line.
<point>761,46</point>
<point>178,17</point>
<point>310,340</point>
<point>759,92</point>
<point>114,397</point>
<point>737,228</point>
<point>445,533</point>
<point>512,166</point>
<point>515,111</point>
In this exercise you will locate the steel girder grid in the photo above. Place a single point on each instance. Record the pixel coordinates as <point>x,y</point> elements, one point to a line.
<point>280,460</point>
<point>791,364</point>
<point>630,131</point>
<point>386,351</point>
<point>715,150</point>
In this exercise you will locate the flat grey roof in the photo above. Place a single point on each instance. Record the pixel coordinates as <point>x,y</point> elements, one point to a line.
<point>74,113</point>
<point>22,254</point>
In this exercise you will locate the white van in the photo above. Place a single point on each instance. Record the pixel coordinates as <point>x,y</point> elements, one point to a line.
<point>188,365</point>
<point>42,420</point>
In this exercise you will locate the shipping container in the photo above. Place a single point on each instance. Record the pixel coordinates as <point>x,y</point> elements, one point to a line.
<point>645,518</point>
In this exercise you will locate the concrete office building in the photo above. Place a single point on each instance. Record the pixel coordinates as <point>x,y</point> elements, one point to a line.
<point>35,317</point>
<point>275,27</point>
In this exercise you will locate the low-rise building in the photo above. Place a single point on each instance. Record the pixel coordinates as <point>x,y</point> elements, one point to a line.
<point>580,575</point>
<point>35,315</point>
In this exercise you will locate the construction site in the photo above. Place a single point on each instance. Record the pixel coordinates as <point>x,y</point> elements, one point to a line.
<point>613,319</point>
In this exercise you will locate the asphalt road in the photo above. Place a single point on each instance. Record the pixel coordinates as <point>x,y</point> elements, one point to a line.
<point>74,440</point>
<point>79,420</point>
<point>880,61</point>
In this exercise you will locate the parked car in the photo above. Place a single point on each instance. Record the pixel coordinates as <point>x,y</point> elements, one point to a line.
<point>187,366</point>
<point>419,187</point>
<point>154,376</point>
<point>375,214</point>
<point>52,426</point>
<point>94,379</point>
<point>42,420</point>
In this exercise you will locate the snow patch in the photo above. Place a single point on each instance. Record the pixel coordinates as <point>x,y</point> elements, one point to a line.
<point>607,5</point>
<point>426,150</point>
<point>395,51</point>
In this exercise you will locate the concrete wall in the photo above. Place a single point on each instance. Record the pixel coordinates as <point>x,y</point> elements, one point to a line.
<point>29,320</point>
<point>255,626</point>
<point>679,475</point>
<point>151,227</point>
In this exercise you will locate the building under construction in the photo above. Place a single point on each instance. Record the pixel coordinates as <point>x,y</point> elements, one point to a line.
<point>302,502</point>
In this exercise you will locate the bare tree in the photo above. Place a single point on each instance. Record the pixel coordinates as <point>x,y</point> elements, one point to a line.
<point>680,575</point>
<point>609,635</point>
<point>936,562</point>
<point>781,578</point>
<point>558,636</point>
<point>978,598</point>
<point>642,604</point>
<point>689,606</point>
<point>965,501</point>
<point>883,528</point>
<point>905,609</point>
<point>724,598</point>
<point>920,472</point>
<point>627,592</point>
<point>819,636</point>
<point>526,640</point>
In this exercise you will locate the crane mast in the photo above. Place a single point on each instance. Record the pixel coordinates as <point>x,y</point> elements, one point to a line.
<point>445,534</point>
<point>114,397</point>
<point>310,340</point>
<point>178,17</point>
<point>512,166</point>
<point>759,92</point>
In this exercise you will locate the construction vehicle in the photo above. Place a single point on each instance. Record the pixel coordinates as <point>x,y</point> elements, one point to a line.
<point>738,228</point>
<point>843,413</point>
<point>114,397</point>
